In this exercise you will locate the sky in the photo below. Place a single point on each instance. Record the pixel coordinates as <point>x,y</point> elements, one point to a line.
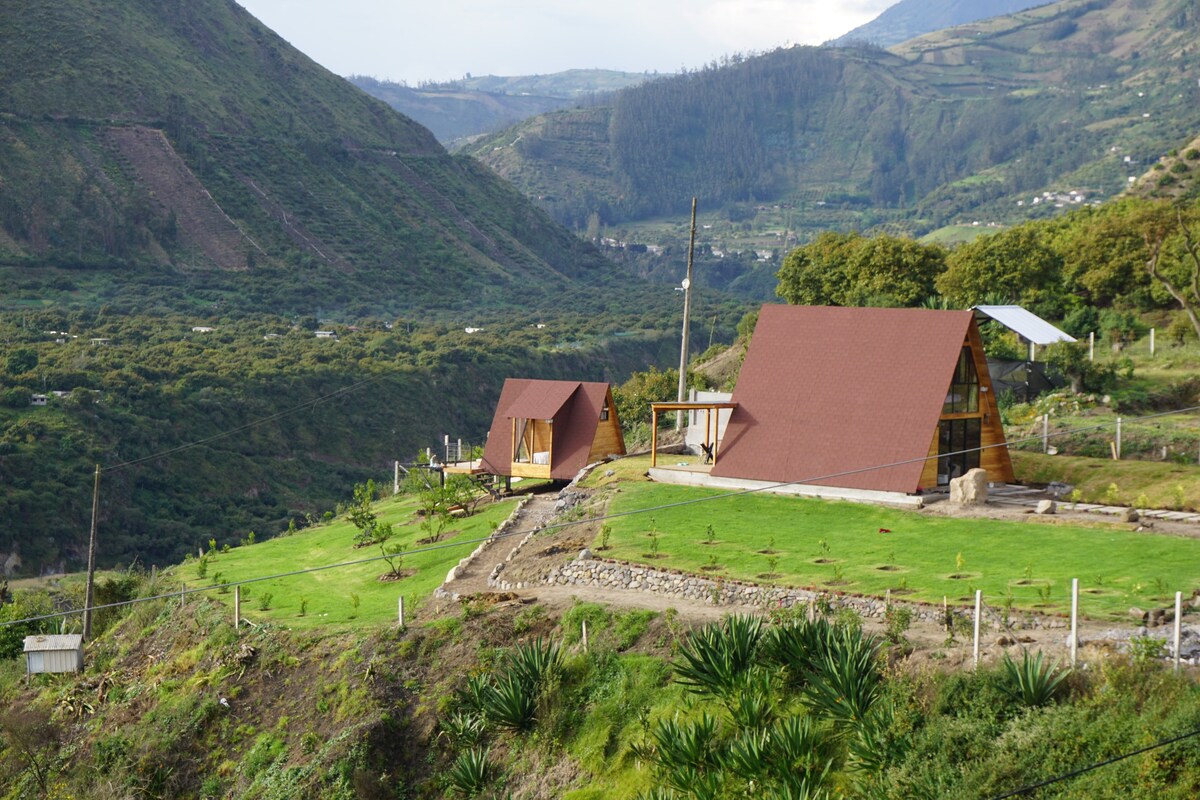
<point>418,41</point>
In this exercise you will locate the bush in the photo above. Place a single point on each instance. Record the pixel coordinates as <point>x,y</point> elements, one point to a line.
<point>1032,683</point>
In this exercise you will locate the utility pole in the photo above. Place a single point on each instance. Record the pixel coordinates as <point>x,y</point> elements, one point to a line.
<point>89,597</point>
<point>687,313</point>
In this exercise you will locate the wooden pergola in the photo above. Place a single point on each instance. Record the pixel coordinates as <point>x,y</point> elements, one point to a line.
<point>707,408</point>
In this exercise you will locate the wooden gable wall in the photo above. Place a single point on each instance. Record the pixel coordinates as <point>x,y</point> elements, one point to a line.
<point>608,440</point>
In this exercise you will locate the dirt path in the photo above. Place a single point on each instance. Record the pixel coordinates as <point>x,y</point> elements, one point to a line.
<point>930,641</point>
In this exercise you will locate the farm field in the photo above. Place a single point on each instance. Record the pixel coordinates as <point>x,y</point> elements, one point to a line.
<point>860,549</point>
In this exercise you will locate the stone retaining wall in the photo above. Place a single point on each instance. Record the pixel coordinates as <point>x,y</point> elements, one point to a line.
<point>633,577</point>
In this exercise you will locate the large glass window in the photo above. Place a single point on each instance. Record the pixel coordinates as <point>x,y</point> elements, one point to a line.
<point>963,395</point>
<point>958,443</point>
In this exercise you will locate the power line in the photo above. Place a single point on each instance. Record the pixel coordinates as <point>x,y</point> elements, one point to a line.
<point>559,525</point>
<point>1163,743</point>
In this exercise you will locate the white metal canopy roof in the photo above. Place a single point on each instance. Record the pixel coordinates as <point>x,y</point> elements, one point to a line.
<point>1026,324</point>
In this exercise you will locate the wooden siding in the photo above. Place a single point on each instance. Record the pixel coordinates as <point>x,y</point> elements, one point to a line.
<point>608,440</point>
<point>993,459</point>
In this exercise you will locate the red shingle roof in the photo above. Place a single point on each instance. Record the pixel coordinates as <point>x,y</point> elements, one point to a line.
<point>828,391</point>
<point>573,405</point>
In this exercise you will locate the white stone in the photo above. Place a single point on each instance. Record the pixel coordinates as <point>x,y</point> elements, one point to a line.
<point>970,489</point>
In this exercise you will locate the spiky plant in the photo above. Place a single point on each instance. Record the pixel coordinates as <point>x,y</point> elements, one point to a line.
<point>715,659</point>
<point>802,751</point>
<point>470,773</point>
<point>796,648</point>
<point>471,694</point>
<point>846,680</point>
<point>533,662</point>
<point>463,728</point>
<point>1032,683</point>
<point>512,704</point>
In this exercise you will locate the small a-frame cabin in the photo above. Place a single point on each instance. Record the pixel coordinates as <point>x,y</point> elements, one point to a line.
<point>551,429</point>
<point>880,399</point>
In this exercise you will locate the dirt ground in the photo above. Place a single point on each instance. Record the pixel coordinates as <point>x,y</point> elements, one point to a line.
<point>550,548</point>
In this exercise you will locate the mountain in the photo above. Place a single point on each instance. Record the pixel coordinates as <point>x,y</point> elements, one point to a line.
<point>958,125</point>
<point>182,152</point>
<point>911,18</point>
<point>459,110</point>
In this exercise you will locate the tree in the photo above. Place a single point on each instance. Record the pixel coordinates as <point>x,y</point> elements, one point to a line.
<point>31,740</point>
<point>848,269</point>
<point>1174,257</point>
<point>1014,266</point>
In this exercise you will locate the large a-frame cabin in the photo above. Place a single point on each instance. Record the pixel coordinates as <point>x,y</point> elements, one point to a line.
<point>882,399</point>
<point>551,429</point>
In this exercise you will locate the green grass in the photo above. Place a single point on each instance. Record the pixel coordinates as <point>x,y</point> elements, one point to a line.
<point>1116,568</point>
<point>328,593</point>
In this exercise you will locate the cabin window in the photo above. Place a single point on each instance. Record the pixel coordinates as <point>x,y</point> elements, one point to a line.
<point>604,413</point>
<point>958,448</point>
<point>963,395</point>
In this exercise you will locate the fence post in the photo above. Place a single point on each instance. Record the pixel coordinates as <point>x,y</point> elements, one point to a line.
<point>237,608</point>
<point>1045,433</point>
<point>1118,438</point>
<point>1092,346</point>
<point>583,627</point>
<point>396,478</point>
<point>401,611</point>
<point>978,607</point>
<point>182,595</point>
<point>1178,626</point>
<point>1152,341</point>
<point>1074,620</point>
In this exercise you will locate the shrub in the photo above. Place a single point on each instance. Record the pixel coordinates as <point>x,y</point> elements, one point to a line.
<point>714,659</point>
<point>511,704</point>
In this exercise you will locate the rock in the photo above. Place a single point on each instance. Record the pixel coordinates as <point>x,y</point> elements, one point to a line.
<point>1130,515</point>
<point>585,555</point>
<point>970,489</point>
<point>608,473</point>
<point>1004,641</point>
<point>1046,507</point>
<point>1137,613</point>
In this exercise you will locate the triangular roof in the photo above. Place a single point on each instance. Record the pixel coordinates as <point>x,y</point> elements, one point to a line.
<point>573,405</point>
<point>826,394</point>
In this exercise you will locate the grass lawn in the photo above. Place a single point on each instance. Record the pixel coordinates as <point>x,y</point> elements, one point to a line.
<point>329,593</point>
<point>840,546</point>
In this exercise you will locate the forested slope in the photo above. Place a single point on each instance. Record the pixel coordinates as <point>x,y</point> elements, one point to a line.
<point>950,124</point>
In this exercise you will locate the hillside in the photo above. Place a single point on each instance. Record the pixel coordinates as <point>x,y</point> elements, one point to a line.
<point>951,126</point>
<point>190,149</point>
<point>462,109</point>
<point>910,18</point>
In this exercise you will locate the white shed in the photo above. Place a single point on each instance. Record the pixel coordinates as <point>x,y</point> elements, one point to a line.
<point>54,653</point>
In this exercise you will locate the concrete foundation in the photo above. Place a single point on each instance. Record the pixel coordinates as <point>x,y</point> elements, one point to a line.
<point>696,478</point>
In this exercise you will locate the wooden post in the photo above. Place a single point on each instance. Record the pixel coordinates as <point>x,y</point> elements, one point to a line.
<point>653,437</point>
<point>1074,643</point>
<point>237,608</point>
<point>401,611</point>
<point>946,615</point>
<point>978,610</point>
<point>887,599</point>
<point>687,313</point>
<point>1178,626</point>
<point>1092,346</point>
<point>583,628</point>
<point>1118,439</point>
<point>396,479</point>
<point>1045,433</point>
<point>182,595</point>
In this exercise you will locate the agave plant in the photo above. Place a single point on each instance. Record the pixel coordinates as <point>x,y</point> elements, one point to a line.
<point>802,751</point>
<point>1032,683</point>
<point>797,647</point>
<point>846,680</point>
<point>470,773</point>
<point>715,658</point>
<point>753,705</point>
<point>471,694</point>
<point>463,728</point>
<point>511,704</point>
<point>533,662</point>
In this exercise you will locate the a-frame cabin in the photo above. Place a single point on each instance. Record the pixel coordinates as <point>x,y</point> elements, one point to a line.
<point>884,399</point>
<point>551,429</point>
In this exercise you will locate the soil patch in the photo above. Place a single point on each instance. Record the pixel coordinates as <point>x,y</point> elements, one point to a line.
<point>398,575</point>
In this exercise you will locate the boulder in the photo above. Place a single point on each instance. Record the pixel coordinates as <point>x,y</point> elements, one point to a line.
<point>1130,515</point>
<point>1046,507</point>
<point>970,489</point>
<point>584,555</point>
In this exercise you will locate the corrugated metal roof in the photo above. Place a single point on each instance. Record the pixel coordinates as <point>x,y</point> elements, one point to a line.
<point>573,405</point>
<point>58,641</point>
<point>825,392</point>
<point>1025,323</point>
